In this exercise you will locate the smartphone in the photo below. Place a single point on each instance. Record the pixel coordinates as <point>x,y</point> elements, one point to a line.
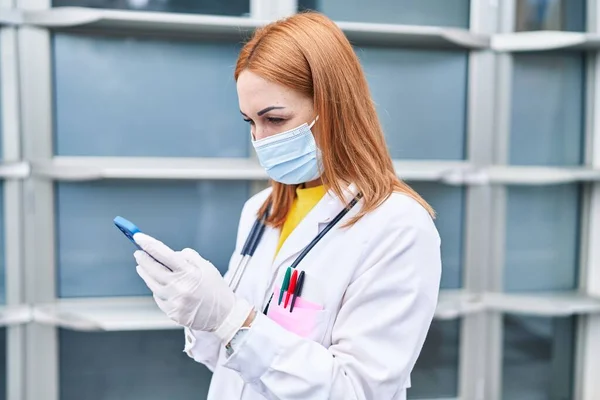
<point>129,229</point>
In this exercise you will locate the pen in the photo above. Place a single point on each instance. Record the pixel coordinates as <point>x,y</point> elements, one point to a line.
<point>298,290</point>
<point>285,284</point>
<point>291,288</point>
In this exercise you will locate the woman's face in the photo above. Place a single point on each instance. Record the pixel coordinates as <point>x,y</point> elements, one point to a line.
<point>270,108</point>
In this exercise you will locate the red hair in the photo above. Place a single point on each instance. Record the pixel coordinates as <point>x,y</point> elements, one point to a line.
<point>309,53</point>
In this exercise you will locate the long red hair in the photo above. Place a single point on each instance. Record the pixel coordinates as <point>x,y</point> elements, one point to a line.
<point>309,53</point>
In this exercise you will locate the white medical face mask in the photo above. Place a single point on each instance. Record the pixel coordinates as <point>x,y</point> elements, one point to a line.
<point>290,157</point>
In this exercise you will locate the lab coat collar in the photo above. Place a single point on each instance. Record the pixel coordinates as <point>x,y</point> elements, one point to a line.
<point>325,210</point>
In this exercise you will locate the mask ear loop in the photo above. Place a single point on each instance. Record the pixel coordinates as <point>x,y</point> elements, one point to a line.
<point>309,127</point>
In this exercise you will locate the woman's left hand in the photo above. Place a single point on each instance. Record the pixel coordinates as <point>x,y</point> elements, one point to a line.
<point>193,294</point>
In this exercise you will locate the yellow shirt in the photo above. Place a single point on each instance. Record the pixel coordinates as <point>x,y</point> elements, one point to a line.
<point>305,200</point>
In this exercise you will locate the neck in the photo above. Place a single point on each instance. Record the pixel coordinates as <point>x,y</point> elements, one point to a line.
<point>314,183</point>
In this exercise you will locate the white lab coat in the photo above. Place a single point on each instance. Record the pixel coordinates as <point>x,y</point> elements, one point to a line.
<point>378,283</point>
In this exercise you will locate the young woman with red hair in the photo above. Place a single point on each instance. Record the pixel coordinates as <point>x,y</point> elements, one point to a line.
<point>342,285</point>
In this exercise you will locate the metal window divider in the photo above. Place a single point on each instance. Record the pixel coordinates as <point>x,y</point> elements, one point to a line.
<point>13,256</point>
<point>89,168</point>
<point>587,362</point>
<point>140,313</point>
<point>264,10</point>
<point>272,9</point>
<point>493,279</point>
<point>474,358</point>
<point>35,79</point>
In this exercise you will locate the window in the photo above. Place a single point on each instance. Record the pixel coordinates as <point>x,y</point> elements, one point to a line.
<point>421,99</point>
<point>436,373</point>
<point>538,358</point>
<point>547,109</point>
<point>448,203</point>
<point>127,365</point>
<point>543,222</point>
<point>542,238</point>
<point>129,93</point>
<point>553,15</point>
<point>454,13</point>
<point>147,98</point>
<point>542,230</point>
<point>201,215</point>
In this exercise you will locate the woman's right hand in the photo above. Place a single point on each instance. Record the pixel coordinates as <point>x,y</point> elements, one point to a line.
<point>193,293</point>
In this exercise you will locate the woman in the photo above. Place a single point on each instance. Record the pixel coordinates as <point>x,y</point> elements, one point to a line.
<point>370,284</point>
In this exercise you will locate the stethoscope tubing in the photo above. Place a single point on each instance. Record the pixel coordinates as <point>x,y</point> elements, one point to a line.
<point>256,232</point>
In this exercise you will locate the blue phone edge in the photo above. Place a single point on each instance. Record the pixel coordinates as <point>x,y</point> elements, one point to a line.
<point>128,228</point>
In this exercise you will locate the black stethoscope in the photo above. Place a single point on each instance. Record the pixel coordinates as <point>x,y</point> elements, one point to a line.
<point>258,228</point>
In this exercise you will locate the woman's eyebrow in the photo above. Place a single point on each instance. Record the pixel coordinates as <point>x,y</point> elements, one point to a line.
<point>264,110</point>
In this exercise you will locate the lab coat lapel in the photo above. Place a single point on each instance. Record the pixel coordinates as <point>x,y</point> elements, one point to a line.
<point>260,266</point>
<point>309,228</point>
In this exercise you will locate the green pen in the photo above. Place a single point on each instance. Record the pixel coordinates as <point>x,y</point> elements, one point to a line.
<point>285,284</point>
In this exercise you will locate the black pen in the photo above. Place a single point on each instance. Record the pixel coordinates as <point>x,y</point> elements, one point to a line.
<point>298,289</point>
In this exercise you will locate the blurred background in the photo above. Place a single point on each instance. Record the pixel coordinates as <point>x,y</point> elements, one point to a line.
<point>128,107</point>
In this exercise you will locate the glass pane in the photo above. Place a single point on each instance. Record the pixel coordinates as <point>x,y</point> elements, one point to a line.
<point>201,215</point>
<point>538,358</point>
<point>2,244</point>
<point>547,109</point>
<point>448,202</point>
<point>436,372</point>
<point>453,13</point>
<point>3,363</point>
<point>146,98</point>
<point>146,365</point>
<point>542,238</point>
<point>550,15</point>
<point>217,7</point>
<point>421,100</point>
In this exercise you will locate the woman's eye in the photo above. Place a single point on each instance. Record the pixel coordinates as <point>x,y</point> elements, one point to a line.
<point>249,121</point>
<point>275,120</point>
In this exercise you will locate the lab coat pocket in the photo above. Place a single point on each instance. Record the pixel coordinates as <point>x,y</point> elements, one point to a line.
<point>308,320</point>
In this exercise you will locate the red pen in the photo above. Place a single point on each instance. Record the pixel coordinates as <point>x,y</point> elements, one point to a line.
<point>291,288</point>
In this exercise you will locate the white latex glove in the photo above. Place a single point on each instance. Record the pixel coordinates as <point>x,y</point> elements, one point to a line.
<point>193,294</point>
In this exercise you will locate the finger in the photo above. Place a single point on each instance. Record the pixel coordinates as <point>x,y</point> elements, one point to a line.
<point>158,250</point>
<point>192,256</point>
<point>154,286</point>
<point>143,258</point>
<point>154,269</point>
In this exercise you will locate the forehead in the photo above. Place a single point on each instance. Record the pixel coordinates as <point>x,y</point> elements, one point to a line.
<point>255,93</point>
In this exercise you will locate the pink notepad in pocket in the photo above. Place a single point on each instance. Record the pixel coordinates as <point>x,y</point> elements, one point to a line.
<point>304,321</point>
